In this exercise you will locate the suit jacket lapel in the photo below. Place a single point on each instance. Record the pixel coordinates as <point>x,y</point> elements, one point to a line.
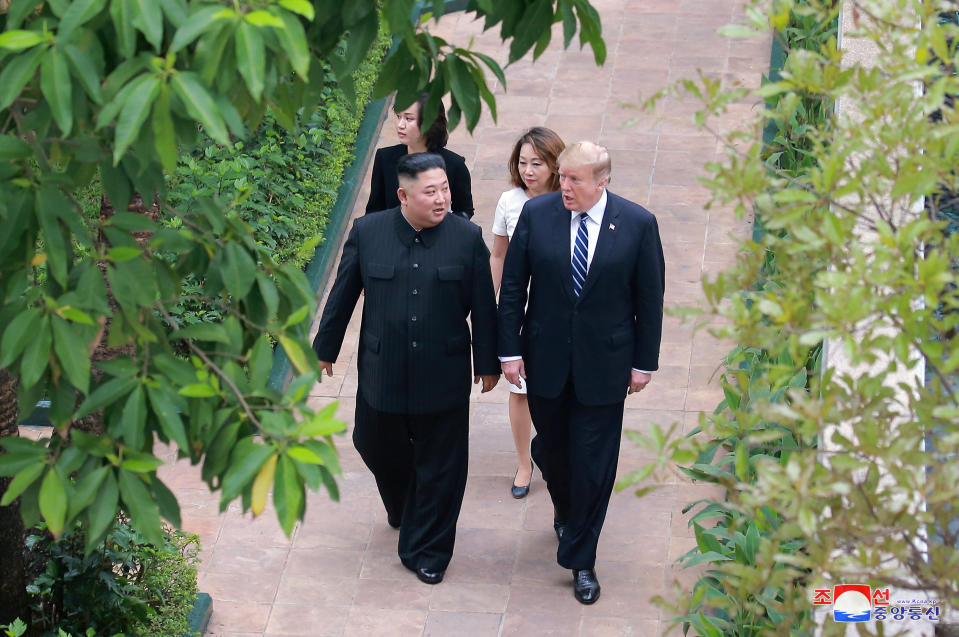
<point>561,239</point>
<point>604,245</point>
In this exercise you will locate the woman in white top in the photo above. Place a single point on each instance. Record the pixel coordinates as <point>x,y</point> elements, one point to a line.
<point>532,170</point>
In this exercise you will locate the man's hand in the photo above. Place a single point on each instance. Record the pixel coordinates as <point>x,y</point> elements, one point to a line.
<point>489,381</point>
<point>327,367</point>
<point>638,380</point>
<point>512,370</point>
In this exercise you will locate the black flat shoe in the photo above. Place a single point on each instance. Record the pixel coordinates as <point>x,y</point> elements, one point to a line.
<point>428,576</point>
<point>585,586</point>
<point>519,492</point>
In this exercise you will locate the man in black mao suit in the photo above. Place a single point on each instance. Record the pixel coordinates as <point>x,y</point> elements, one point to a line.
<point>589,335</point>
<point>424,272</point>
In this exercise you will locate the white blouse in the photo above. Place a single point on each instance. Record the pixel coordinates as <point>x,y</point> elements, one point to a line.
<point>507,211</point>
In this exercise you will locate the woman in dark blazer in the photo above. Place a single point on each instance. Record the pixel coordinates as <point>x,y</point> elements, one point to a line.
<point>383,184</point>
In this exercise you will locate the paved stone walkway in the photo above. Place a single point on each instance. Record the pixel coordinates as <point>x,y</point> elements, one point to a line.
<point>339,574</point>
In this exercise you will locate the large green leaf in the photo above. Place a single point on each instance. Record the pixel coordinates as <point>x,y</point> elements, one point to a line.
<point>295,45</point>
<point>134,113</point>
<point>121,13</point>
<point>240,270</point>
<point>16,73</point>
<point>18,10</point>
<point>53,501</point>
<point>465,90</point>
<point>536,19</point>
<point>261,361</point>
<point>102,511</point>
<point>18,40</point>
<point>85,491</point>
<point>147,17</point>
<point>165,409</point>
<point>15,336</point>
<point>250,57</point>
<point>175,11</point>
<point>359,42</point>
<point>36,356</point>
<point>288,496</point>
<point>195,26</point>
<point>200,105</point>
<point>163,134</point>
<point>247,458</point>
<point>85,70</point>
<point>13,148</point>
<point>302,7</point>
<point>56,245</point>
<point>134,418</point>
<point>24,478</point>
<point>144,514</point>
<point>106,394</point>
<point>71,350</point>
<point>79,13</point>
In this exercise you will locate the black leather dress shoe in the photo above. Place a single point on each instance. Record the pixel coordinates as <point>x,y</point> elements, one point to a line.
<point>560,527</point>
<point>585,586</point>
<point>428,576</point>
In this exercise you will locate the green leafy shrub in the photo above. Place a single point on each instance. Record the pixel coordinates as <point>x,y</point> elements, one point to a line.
<point>124,586</point>
<point>729,534</point>
<point>283,182</point>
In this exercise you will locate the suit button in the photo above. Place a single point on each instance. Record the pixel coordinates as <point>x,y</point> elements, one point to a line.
<point>415,291</point>
<point>413,318</point>
<point>417,239</point>
<point>416,265</point>
<point>414,344</point>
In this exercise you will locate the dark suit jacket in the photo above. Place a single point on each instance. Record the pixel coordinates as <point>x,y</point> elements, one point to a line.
<point>384,182</point>
<point>414,350</point>
<point>615,324</point>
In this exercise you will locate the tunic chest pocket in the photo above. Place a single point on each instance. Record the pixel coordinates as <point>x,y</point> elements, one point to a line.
<point>380,270</point>
<point>450,273</point>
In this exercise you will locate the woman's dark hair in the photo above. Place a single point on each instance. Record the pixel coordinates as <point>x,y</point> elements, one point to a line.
<point>547,144</point>
<point>438,134</point>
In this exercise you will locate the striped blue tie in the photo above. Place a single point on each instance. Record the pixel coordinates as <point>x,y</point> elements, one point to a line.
<point>579,255</point>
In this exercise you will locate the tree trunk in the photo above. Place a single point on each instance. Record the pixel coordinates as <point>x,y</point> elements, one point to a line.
<point>13,585</point>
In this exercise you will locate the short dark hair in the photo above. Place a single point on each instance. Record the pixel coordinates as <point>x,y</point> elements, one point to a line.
<point>547,144</point>
<point>438,134</point>
<point>409,166</point>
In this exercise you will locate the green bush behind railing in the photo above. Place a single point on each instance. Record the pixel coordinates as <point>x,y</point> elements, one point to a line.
<point>721,606</point>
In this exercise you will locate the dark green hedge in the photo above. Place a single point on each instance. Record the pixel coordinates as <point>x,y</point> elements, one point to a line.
<point>284,182</point>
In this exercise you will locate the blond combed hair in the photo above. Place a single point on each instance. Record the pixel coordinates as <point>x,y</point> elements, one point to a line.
<point>587,154</point>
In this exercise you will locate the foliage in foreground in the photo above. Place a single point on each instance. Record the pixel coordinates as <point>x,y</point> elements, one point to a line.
<point>849,475</point>
<point>125,585</point>
<point>121,87</point>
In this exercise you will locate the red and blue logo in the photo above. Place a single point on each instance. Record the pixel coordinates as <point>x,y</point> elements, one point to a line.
<point>852,603</point>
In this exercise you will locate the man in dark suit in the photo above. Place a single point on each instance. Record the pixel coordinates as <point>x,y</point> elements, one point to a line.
<point>589,335</point>
<point>424,272</point>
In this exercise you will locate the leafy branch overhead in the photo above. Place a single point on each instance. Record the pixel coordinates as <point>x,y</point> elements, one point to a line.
<point>117,92</point>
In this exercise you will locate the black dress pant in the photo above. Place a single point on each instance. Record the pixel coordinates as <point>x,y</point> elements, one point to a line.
<point>577,448</point>
<point>419,462</point>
